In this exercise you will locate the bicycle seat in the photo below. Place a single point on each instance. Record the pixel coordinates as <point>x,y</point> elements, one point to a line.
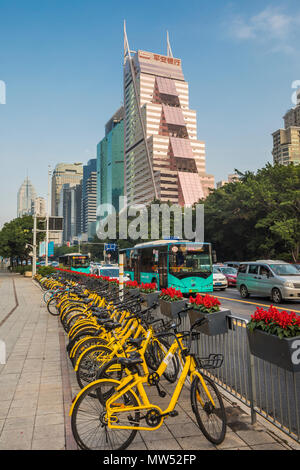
<point>135,341</point>
<point>112,326</point>
<point>131,361</point>
<point>102,321</point>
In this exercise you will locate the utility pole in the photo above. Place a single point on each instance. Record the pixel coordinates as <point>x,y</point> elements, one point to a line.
<point>34,244</point>
<point>47,220</point>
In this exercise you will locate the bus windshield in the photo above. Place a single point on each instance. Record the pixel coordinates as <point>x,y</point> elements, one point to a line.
<point>190,259</point>
<point>80,261</point>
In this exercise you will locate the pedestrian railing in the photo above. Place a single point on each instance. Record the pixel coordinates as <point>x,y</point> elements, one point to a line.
<point>266,389</point>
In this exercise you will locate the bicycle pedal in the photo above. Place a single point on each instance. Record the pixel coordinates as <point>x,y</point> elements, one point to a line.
<point>174,413</point>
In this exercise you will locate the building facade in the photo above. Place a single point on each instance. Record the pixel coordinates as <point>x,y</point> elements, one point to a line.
<point>70,203</point>
<point>39,207</point>
<point>25,198</point>
<point>110,162</point>
<point>64,173</point>
<point>163,157</point>
<point>286,142</point>
<point>89,198</point>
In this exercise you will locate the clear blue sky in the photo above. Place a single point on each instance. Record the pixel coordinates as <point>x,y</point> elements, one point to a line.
<point>62,65</point>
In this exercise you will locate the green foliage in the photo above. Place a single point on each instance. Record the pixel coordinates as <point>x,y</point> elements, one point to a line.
<point>14,236</point>
<point>256,217</point>
<point>45,270</point>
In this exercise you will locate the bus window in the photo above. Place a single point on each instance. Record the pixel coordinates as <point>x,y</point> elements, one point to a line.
<point>185,259</point>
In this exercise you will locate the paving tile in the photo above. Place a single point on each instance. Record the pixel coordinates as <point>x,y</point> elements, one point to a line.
<point>165,444</point>
<point>255,437</point>
<point>53,443</point>
<point>195,443</point>
<point>269,446</point>
<point>232,441</point>
<point>4,408</point>
<point>45,431</point>
<point>160,434</point>
<point>184,430</point>
<point>13,439</point>
<point>19,423</point>
<point>48,419</point>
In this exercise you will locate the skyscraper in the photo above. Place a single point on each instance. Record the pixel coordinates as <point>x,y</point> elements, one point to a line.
<point>25,199</point>
<point>89,198</point>
<point>69,208</point>
<point>163,157</point>
<point>64,173</point>
<point>110,162</point>
<point>286,142</point>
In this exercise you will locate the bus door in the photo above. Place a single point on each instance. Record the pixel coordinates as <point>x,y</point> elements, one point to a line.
<point>163,270</point>
<point>137,266</point>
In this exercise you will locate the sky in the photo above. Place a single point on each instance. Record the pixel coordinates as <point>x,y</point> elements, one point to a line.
<point>62,65</point>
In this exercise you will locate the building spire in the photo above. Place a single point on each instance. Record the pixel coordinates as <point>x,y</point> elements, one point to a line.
<point>169,50</point>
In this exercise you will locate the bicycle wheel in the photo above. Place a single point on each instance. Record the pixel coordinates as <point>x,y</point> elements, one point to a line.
<point>211,418</point>
<point>87,343</point>
<point>90,362</point>
<point>88,420</point>
<point>51,307</point>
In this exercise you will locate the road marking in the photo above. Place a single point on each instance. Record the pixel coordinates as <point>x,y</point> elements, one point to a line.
<point>254,303</point>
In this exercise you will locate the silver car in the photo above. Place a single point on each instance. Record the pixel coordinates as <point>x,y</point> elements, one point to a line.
<point>267,278</point>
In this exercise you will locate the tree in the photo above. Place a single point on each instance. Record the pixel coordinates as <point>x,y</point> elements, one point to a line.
<point>258,216</point>
<point>15,235</point>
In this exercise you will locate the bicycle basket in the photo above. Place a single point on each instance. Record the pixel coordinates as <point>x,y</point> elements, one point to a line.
<point>213,361</point>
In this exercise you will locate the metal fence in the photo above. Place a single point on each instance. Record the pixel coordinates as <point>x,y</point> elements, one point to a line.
<point>268,390</point>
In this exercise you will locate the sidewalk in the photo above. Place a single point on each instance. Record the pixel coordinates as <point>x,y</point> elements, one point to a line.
<point>37,384</point>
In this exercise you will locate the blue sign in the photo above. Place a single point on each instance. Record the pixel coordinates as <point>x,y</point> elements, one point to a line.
<point>42,249</point>
<point>110,246</point>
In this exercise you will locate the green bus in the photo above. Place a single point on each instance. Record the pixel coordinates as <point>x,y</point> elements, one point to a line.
<point>75,262</point>
<point>181,264</point>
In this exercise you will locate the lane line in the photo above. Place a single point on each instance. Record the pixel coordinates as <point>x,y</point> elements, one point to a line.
<point>255,303</point>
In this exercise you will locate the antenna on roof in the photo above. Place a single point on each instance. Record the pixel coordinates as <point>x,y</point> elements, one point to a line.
<point>169,50</point>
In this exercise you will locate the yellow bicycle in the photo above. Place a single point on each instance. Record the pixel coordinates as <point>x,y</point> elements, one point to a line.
<point>107,414</point>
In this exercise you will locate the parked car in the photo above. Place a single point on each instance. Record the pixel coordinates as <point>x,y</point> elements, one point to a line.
<point>267,278</point>
<point>109,270</point>
<point>297,266</point>
<point>219,280</point>
<point>230,273</point>
<point>233,264</point>
<point>55,264</point>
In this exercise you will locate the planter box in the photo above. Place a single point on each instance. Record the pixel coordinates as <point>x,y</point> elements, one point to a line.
<point>133,292</point>
<point>284,353</point>
<point>216,324</point>
<point>150,299</point>
<point>170,309</point>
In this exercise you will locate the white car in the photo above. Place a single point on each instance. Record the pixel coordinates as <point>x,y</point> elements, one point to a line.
<point>109,270</point>
<point>219,280</point>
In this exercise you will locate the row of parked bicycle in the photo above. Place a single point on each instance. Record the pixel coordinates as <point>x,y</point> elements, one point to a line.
<point>120,351</point>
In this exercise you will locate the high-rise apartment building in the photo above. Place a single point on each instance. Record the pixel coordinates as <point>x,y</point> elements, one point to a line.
<point>110,162</point>
<point>64,173</point>
<point>163,157</point>
<point>69,207</point>
<point>286,142</point>
<point>89,198</point>
<point>38,207</point>
<point>25,199</point>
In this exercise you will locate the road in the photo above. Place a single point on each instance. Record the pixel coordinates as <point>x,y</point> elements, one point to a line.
<point>231,299</point>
